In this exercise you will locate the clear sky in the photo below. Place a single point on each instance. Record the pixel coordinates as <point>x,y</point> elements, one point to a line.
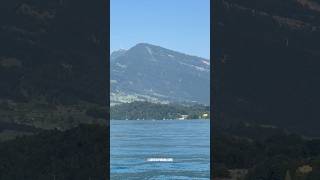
<point>181,25</point>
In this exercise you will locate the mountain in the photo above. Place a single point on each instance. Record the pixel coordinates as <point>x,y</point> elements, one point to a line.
<point>153,73</point>
<point>268,53</point>
<point>116,54</point>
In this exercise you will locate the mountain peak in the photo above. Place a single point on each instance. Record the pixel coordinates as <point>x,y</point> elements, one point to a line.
<point>149,48</point>
<point>145,46</point>
<point>155,73</point>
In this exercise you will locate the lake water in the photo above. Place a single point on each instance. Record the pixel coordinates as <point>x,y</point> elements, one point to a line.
<point>160,150</point>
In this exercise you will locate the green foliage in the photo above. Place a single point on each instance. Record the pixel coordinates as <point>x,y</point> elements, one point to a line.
<point>274,168</point>
<point>266,158</point>
<point>76,154</point>
<point>147,110</point>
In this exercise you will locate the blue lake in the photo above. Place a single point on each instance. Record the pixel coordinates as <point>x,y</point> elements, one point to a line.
<point>179,149</point>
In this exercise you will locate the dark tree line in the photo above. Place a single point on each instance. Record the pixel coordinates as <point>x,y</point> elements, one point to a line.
<point>147,110</point>
<point>266,156</point>
<point>76,154</point>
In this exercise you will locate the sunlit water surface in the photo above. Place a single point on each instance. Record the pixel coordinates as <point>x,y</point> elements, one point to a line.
<point>160,150</point>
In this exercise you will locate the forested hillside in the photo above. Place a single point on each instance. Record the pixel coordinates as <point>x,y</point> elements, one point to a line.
<point>147,111</point>
<point>76,154</point>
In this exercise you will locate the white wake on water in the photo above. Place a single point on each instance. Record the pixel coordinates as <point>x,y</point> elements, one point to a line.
<point>160,159</point>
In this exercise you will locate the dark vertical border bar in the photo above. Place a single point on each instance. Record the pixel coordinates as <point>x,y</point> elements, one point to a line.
<point>215,82</point>
<point>107,59</point>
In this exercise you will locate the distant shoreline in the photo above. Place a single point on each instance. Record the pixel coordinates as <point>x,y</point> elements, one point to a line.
<point>158,119</point>
<point>154,111</point>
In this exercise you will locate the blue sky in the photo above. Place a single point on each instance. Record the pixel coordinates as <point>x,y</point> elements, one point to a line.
<point>181,25</point>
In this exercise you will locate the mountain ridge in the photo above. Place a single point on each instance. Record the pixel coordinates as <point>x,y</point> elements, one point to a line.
<point>148,72</point>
